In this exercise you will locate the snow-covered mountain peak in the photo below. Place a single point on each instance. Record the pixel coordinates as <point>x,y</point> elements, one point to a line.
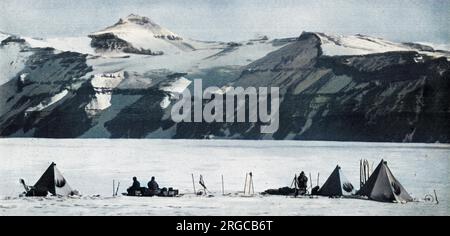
<point>137,19</point>
<point>139,35</point>
<point>142,25</point>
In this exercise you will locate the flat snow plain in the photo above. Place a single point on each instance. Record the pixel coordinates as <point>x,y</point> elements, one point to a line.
<point>91,165</point>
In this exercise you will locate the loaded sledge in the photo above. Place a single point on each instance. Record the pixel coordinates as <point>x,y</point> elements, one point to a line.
<point>153,190</point>
<point>145,192</point>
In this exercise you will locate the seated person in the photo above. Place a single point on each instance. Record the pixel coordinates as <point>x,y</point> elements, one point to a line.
<point>152,185</point>
<point>135,187</point>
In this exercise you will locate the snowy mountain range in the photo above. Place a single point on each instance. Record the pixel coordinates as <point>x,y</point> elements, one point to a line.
<point>120,82</point>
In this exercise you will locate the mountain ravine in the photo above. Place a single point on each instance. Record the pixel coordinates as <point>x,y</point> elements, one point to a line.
<point>331,88</point>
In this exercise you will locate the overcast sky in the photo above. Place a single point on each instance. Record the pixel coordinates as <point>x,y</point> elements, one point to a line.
<point>400,20</point>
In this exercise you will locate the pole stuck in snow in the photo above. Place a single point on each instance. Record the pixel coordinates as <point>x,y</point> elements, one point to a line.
<point>435,197</point>
<point>193,184</point>
<point>114,188</point>
<point>223,187</point>
<point>251,182</point>
<point>318,177</point>
<point>310,181</point>
<point>360,174</point>
<point>245,184</point>
<point>368,171</point>
<point>364,171</point>
<point>117,189</point>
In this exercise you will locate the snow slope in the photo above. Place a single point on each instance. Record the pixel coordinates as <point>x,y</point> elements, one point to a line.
<point>338,45</point>
<point>3,36</point>
<point>12,60</point>
<point>56,98</point>
<point>91,165</point>
<point>176,87</point>
<point>65,44</point>
<point>103,85</point>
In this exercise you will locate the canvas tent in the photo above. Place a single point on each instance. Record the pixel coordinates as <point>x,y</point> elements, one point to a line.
<point>384,187</point>
<point>337,185</point>
<point>51,182</point>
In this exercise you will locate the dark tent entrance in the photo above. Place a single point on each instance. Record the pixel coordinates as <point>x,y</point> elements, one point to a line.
<point>51,182</point>
<point>337,185</point>
<point>384,187</point>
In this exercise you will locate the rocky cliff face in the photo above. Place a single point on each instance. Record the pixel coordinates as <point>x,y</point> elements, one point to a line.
<point>392,96</point>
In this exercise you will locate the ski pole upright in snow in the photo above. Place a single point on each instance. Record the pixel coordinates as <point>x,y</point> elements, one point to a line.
<point>310,181</point>
<point>117,189</point>
<point>223,187</point>
<point>360,174</point>
<point>193,184</point>
<point>114,188</point>
<point>367,171</point>
<point>318,177</point>
<point>251,182</point>
<point>245,184</point>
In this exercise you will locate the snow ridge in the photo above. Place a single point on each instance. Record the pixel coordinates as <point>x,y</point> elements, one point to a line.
<point>339,45</point>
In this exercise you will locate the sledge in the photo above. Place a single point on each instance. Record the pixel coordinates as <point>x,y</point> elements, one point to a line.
<point>286,191</point>
<point>52,181</point>
<point>145,192</point>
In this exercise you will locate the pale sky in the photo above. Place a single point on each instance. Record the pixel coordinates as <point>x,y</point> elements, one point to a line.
<point>226,20</point>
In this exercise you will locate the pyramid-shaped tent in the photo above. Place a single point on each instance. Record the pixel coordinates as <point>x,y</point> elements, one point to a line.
<point>337,185</point>
<point>384,187</point>
<point>53,182</point>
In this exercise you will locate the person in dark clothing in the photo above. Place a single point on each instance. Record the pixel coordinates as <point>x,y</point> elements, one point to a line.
<point>152,185</point>
<point>135,187</point>
<point>302,182</point>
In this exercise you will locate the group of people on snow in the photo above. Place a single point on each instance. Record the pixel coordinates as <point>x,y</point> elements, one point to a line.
<point>136,186</point>
<point>301,182</point>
